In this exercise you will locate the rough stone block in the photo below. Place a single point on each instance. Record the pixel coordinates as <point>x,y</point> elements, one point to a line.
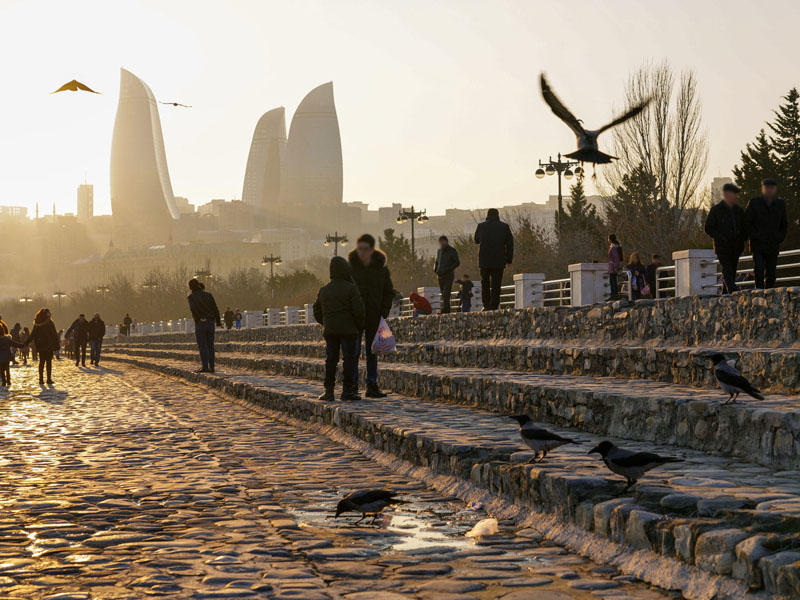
<point>714,550</point>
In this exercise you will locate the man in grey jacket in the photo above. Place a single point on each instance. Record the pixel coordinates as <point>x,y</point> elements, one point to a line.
<point>447,262</point>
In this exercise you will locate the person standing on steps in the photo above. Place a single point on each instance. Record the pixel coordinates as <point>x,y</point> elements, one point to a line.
<point>465,295</point>
<point>765,219</point>
<point>45,337</point>
<point>372,277</point>
<point>725,225</point>
<point>227,317</point>
<point>126,322</point>
<point>614,265</point>
<point>495,254</point>
<point>206,317</point>
<point>97,331</point>
<point>447,262</point>
<point>79,332</point>
<point>340,310</point>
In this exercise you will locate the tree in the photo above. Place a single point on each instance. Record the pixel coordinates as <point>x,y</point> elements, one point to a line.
<point>408,271</point>
<point>580,236</point>
<point>757,162</point>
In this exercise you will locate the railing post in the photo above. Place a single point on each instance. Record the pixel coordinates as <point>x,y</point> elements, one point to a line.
<point>310,314</point>
<point>695,272</point>
<point>528,289</point>
<point>273,317</point>
<point>432,295</point>
<point>477,296</point>
<point>292,315</point>
<point>251,319</point>
<point>588,283</point>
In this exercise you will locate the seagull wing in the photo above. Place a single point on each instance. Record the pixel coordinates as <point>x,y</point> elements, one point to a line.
<point>624,117</point>
<point>558,108</point>
<point>85,88</point>
<point>69,86</point>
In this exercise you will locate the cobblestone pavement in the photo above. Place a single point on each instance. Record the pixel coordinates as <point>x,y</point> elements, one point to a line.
<point>118,483</point>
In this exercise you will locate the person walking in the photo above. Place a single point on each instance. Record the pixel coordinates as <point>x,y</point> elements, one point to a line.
<point>26,348</point>
<point>638,280</point>
<point>97,331</point>
<point>614,264</point>
<point>227,317</point>
<point>206,316</point>
<point>16,335</point>
<point>79,332</point>
<point>465,293</point>
<point>765,220</point>
<point>725,225</point>
<point>7,347</point>
<point>237,319</point>
<point>374,281</point>
<point>339,308</point>
<point>445,266</point>
<point>126,322</point>
<point>45,337</point>
<point>495,254</point>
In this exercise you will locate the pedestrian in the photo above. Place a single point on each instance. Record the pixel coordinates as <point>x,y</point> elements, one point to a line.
<point>26,348</point>
<point>652,273</point>
<point>495,254</point>
<point>45,337</point>
<point>127,322</point>
<point>79,332</point>
<point>97,331</point>
<point>638,274</point>
<point>7,346</point>
<point>374,281</point>
<point>765,220</point>
<point>16,335</point>
<point>615,258</point>
<point>206,315</point>
<point>227,317</point>
<point>421,304</point>
<point>3,327</point>
<point>725,225</point>
<point>465,294</point>
<point>340,310</point>
<point>445,266</point>
<point>237,319</point>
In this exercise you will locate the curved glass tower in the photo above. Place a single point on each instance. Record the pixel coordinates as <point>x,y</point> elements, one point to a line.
<point>265,164</point>
<point>142,201</point>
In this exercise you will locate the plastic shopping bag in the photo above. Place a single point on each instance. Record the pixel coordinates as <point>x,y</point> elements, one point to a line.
<point>383,343</point>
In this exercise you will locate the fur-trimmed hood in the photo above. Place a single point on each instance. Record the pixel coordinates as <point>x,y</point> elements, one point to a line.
<point>378,259</point>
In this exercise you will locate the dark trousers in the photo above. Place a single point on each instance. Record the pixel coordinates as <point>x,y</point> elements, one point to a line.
<point>80,353</point>
<point>94,353</point>
<point>728,263</point>
<point>613,285</point>
<point>204,333</point>
<point>347,345</point>
<point>5,374</point>
<point>446,289</point>
<point>765,265</point>
<point>372,359</point>
<point>466,305</point>
<point>491,281</point>
<point>45,361</point>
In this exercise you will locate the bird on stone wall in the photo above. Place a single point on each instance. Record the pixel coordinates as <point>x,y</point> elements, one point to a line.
<point>631,465</point>
<point>731,381</point>
<point>367,502</point>
<point>538,439</point>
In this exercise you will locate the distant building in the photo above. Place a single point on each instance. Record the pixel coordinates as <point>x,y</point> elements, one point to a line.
<point>183,206</point>
<point>85,202</point>
<point>265,170</point>
<point>14,212</point>
<point>716,188</point>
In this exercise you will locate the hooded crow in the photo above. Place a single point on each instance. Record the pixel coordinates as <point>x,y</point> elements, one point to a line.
<point>731,381</point>
<point>367,502</point>
<point>537,438</point>
<point>631,465</point>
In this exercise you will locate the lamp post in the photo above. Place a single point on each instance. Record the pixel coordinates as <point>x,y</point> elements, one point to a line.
<point>335,239</point>
<point>559,166</point>
<point>59,295</point>
<point>102,289</point>
<point>412,215</point>
<point>273,261</point>
<point>26,299</point>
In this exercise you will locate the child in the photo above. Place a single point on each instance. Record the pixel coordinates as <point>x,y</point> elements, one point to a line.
<point>465,295</point>
<point>6,343</point>
<point>421,304</point>
<point>340,310</point>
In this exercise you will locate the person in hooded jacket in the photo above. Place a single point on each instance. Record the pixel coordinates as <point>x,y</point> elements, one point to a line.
<point>340,310</point>
<point>495,254</point>
<point>79,332</point>
<point>45,336</point>
<point>372,277</point>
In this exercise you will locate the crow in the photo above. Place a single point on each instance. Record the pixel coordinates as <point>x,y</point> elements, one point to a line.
<point>731,381</point>
<point>367,502</point>
<point>537,438</point>
<point>631,465</point>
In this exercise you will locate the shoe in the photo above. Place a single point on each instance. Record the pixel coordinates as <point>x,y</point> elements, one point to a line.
<point>211,370</point>
<point>202,371</point>
<point>373,391</point>
<point>350,396</point>
<point>328,396</point>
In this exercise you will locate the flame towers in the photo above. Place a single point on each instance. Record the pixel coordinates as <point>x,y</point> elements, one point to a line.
<point>265,163</point>
<point>142,201</point>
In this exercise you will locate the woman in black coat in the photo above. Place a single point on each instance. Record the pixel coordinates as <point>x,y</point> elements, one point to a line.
<point>45,336</point>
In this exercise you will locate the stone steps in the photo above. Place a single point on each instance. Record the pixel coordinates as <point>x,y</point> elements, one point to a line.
<point>724,516</point>
<point>769,369</point>
<point>766,432</point>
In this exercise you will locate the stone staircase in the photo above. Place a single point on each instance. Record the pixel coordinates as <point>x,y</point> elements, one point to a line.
<point>731,509</point>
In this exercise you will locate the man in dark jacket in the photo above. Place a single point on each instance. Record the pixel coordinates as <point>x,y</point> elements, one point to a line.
<point>765,220</point>
<point>206,316</point>
<point>340,310</point>
<point>126,323</point>
<point>725,225</point>
<point>79,332</point>
<point>447,262</point>
<point>97,331</point>
<point>227,317</point>
<point>375,284</point>
<point>495,254</point>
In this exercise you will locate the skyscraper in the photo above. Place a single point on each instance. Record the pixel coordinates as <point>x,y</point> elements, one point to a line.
<point>265,164</point>
<point>85,202</point>
<point>141,193</point>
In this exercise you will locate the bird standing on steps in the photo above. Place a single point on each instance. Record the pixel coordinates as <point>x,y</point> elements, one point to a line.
<point>537,438</point>
<point>367,502</point>
<point>587,139</point>
<point>631,465</point>
<point>731,381</point>
<point>74,86</point>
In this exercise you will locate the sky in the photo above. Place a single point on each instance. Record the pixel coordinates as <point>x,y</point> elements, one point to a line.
<point>438,102</point>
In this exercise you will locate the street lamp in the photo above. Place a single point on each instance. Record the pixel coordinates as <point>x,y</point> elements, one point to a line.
<point>335,239</point>
<point>561,167</point>
<point>102,289</point>
<point>411,215</point>
<point>150,284</point>
<point>273,261</point>
<point>59,295</point>
<point>26,299</point>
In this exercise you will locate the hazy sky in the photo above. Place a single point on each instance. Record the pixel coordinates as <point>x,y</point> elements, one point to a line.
<point>438,102</point>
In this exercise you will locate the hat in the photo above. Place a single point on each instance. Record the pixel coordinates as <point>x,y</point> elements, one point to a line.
<point>769,181</point>
<point>730,187</point>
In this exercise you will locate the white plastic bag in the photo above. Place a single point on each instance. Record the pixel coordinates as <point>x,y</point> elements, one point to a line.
<point>383,343</point>
<point>483,528</point>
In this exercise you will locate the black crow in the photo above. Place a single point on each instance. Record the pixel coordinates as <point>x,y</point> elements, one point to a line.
<point>631,465</point>
<point>367,502</point>
<point>537,438</point>
<point>731,381</point>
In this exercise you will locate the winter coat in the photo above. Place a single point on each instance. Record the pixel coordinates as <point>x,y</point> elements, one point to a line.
<point>97,329</point>
<point>375,284</point>
<point>725,225</point>
<point>420,303</point>
<point>78,331</point>
<point>614,258</point>
<point>496,244</point>
<point>203,306</point>
<point>638,277</point>
<point>339,307</point>
<point>466,291</point>
<point>447,261</point>
<point>766,225</point>
<point>45,336</point>
<point>5,348</point>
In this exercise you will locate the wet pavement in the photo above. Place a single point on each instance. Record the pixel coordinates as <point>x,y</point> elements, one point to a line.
<point>119,483</point>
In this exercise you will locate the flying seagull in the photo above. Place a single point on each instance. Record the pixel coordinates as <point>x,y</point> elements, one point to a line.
<point>537,438</point>
<point>587,140</point>
<point>74,86</point>
<point>175,104</point>
<point>631,465</point>
<point>367,502</point>
<point>731,381</point>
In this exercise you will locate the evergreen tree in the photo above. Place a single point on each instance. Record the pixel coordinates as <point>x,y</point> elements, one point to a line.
<point>580,215</point>
<point>757,162</point>
<point>786,144</point>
